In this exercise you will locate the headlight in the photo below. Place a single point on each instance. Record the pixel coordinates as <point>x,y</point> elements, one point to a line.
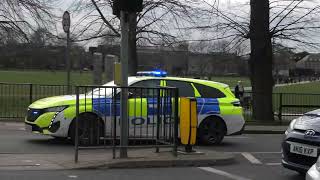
<point>56,109</point>
<point>318,164</point>
<point>291,126</point>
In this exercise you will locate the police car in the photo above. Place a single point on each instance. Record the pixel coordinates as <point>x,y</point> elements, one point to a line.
<point>219,112</point>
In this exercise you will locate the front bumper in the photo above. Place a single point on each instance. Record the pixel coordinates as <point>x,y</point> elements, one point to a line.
<point>239,132</point>
<point>294,166</point>
<point>36,129</point>
<point>297,162</point>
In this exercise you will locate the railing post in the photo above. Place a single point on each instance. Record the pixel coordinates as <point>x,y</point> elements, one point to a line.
<point>280,109</point>
<point>176,121</point>
<point>30,93</point>
<point>76,143</point>
<point>158,119</point>
<point>114,101</point>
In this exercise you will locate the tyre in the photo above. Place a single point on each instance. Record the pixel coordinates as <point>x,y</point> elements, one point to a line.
<point>211,131</point>
<point>90,129</point>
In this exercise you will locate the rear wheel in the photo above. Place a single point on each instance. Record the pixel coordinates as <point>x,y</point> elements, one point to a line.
<point>211,131</point>
<point>90,129</point>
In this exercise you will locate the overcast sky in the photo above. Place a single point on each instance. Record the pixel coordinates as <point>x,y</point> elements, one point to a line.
<point>235,6</point>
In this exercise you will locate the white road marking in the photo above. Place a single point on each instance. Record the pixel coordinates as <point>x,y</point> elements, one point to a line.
<point>237,137</point>
<point>27,161</point>
<point>273,164</point>
<point>72,176</point>
<point>266,152</point>
<point>251,158</point>
<point>223,173</point>
<point>254,152</point>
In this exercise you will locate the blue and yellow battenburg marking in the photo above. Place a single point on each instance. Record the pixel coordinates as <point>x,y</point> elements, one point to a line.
<point>146,107</point>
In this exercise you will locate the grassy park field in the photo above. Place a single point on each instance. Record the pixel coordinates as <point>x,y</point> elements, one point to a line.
<point>15,98</point>
<point>85,78</point>
<point>45,77</point>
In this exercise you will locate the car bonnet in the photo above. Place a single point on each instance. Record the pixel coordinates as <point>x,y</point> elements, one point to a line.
<point>310,120</point>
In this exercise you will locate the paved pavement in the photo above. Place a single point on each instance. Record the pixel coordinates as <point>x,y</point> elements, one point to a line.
<point>61,156</point>
<point>21,152</point>
<point>267,129</point>
<point>33,153</point>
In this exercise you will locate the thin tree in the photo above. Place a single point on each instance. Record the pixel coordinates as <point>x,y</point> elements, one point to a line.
<point>18,17</point>
<point>293,23</point>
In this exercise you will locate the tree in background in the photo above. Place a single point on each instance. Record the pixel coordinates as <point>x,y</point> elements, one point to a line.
<point>19,17</point>
<point>160,21</point>
<point>292,23</point>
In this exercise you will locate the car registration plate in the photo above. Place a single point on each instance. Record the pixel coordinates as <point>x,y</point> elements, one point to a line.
<point>302,149</point>
<point>28,127</point>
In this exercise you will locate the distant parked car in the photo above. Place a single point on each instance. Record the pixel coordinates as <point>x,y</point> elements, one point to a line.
<point>301,145</point>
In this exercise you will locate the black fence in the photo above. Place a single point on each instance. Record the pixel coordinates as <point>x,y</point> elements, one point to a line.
<point>15,98</point>
<point>286,106</point>
<point>152,118</point>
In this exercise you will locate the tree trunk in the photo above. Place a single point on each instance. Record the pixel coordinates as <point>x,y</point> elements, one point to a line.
<point>133,58</point>
<point>261,61</point>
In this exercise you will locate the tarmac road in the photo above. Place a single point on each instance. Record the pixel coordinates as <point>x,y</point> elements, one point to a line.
<point>257,157</point>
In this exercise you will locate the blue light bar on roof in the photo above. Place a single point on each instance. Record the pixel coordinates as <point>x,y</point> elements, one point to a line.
<point>157,73</point>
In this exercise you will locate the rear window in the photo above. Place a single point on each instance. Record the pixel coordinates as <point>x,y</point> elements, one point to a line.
<point>185,88</point>
<point>209,92</point>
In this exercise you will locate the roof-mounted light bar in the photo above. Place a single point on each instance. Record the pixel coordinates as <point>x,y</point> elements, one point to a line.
<point>157,73</point>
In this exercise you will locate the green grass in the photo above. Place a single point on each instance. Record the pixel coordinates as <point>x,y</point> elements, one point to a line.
<point>308,88</point>
<point>45,77</point>
<point>232,81</point>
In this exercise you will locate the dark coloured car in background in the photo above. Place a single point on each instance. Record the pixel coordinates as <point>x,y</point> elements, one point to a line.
<point>301,144</point>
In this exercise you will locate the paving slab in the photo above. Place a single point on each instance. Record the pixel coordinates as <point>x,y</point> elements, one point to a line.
<point>265,129</point>
<point>93,159</point>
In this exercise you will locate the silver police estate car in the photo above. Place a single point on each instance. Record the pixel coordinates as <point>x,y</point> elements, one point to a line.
<point>301,144</point>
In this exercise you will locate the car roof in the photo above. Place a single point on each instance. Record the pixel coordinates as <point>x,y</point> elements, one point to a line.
<point>133,79</point>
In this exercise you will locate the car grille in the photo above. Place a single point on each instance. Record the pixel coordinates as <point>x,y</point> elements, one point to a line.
<point>297,158</point>
<point>301,159</point>
<point>33,114</point>
<point>310,141</point>
<point>303,131</point>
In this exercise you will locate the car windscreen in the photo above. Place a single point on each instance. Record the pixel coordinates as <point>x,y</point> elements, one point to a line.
<point>102,91</point>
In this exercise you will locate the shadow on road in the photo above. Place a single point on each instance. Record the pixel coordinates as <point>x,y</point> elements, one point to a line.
<point>51,141</point>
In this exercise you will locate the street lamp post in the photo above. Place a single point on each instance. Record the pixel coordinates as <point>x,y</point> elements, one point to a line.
<point>66,28</point>
<point>124,9</point>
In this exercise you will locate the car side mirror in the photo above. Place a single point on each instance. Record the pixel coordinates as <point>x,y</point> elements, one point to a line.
<point>130,95</point>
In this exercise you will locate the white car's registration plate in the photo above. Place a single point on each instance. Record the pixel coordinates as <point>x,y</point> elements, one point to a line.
<point>303,149</point>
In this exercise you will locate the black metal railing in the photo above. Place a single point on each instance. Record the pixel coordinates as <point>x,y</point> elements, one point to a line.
<point>152,117</point>
<point>15,98</point>
<point>285,105</point>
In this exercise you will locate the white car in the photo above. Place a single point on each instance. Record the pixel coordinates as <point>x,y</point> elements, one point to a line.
<point>314,172</point>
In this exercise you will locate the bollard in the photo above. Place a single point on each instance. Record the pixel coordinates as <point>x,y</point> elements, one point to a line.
<point>188,123</point>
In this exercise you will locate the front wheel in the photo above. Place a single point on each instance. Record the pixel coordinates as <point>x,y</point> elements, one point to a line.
<point>211,131</point>
<point>90,129</point>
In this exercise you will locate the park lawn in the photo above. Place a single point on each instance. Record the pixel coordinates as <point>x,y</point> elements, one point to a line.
<point>307,88</point>
<point>232,81</point>
<point>45,77</point>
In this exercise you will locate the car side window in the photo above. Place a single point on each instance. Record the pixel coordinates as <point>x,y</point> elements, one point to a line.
<point>185,88</point>
<point>209,92</point>
<point>137,92</point>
